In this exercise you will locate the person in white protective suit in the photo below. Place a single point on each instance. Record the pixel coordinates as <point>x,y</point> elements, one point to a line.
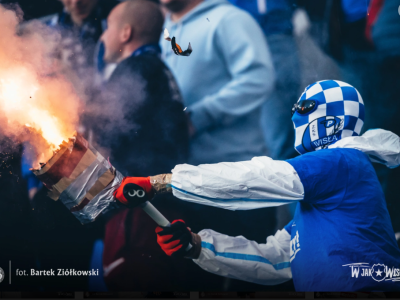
<point>340,238</point>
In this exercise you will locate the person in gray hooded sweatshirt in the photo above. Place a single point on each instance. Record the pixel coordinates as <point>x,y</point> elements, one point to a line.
<point>224,81</point>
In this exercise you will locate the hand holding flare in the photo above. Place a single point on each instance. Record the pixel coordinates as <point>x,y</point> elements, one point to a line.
<point>175,239</point>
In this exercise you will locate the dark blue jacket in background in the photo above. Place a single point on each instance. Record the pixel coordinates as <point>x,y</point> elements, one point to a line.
<point>139,117</point>
<point>386,30</point>
<point>274,16</point>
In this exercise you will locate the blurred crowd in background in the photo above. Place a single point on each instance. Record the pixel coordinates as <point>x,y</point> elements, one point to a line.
<point>230,100</point>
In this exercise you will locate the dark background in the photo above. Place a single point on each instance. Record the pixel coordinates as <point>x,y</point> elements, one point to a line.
<point>37,8</point>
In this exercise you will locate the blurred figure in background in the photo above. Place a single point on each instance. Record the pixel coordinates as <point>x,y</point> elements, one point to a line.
<point>339,29</point>
<point>81,23</point>
<point>139,118</point>
<point>275,19</point>
<point>357,58</point>
<point>384,30</point>
<point>224,83</point>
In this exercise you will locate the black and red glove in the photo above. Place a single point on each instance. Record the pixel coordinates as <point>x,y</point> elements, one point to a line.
<point>139,187</point>
<point>175,240</point>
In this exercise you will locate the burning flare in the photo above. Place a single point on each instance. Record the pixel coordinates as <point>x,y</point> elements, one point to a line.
<point>32,93</point>
<point>23,106</point>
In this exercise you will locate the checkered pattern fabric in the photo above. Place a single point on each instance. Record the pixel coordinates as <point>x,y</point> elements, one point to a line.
<point>339,113</point>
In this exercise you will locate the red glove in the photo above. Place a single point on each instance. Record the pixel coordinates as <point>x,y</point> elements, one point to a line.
<point>174,240</point>
<point>143,182</point>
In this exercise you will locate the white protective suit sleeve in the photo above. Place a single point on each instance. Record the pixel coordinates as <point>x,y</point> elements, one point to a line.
<point>239,258</point>
<point>260,182</point>
<point>382,146</point>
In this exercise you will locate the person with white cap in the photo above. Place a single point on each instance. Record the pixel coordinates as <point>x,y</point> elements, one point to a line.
<point>341,237</point>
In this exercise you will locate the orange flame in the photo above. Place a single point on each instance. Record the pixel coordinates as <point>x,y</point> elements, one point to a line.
<point>28,96</point>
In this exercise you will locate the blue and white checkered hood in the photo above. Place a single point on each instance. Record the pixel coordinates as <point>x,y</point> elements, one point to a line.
<point>338,113</point>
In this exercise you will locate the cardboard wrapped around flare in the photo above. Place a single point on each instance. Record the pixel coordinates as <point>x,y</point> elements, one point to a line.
<point>81,178</point>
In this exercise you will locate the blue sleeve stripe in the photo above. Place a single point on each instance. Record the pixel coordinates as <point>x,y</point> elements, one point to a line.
<point>226,200</point>
<point>248,257</point>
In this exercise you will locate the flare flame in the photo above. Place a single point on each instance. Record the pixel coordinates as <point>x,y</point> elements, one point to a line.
<point>32,93</point>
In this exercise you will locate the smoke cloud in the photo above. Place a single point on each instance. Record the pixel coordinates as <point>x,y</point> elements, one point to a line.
<point>37,102</point>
